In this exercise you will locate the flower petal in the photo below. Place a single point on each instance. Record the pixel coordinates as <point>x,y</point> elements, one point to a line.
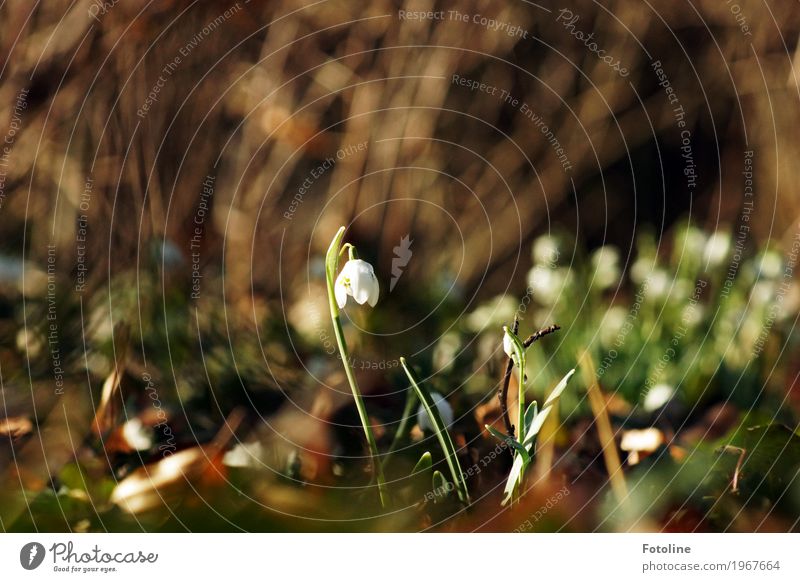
<point>361,292</point>
<point>374,293</point>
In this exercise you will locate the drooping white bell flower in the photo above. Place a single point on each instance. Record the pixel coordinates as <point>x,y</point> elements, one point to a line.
<point>358,280</point>
<point>445,411</point>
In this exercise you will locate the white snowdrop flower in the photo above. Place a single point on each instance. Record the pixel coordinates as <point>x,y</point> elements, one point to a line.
<point>692,314</point>
<point>717,248</point>
<point>641,268</point>
<point>770,265</point>
<point>445,411</point>
<point>138,436</point>
<point>611,327</point>
<point>694,242</point>
<point>492,312</point>
<point>657,397</point>
<point>358,280</point>
<point>548,283</point>
<point>762,293</point>
<point>545,250</point>
<point>446,350</point>
<point>605,261</point>
<point>658,283</point>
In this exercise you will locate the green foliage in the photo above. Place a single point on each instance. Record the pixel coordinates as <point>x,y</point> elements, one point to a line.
<point>524,449</point>
<point>442,435</point>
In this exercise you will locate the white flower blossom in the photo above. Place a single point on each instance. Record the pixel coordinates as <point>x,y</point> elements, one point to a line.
<point>770,265</point>
<point>658,283</point>
<point>605,261</point>
<point>717,248</point>
<point>546,250</point>
<point>691,243</point>
<point>445,411</point>
<point>547,284</point>
<point>358,280</point>
<point>611,326</point>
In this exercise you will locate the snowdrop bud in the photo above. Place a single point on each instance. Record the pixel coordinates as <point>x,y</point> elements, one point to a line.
<point>508,346</point>
<point>445,411</point>
<point>358,280</point>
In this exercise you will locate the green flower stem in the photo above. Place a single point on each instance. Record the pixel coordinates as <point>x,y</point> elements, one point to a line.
<point>442,435</point>
<point>402,428</point>
<point>521,402</point>
<point>331,266</point>
<point>519,351</point>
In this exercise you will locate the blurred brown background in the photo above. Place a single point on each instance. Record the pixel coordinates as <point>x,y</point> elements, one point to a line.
<point>259,107</point>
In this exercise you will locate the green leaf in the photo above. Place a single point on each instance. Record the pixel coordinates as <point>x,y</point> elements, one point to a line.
<point>442,435</point>
<point>424,464</point>
<point>531,413</point>
<point>771,458</point>
<point>559,388</point>
<point>551,401</point>
<point>439,486</point>
<point>534,424</point>
<point>509,441</point>
<point>332,258</point>
<point>514,478</point>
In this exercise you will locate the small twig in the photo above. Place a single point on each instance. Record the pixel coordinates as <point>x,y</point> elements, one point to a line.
<point>503,395</point>
<point>540,334</point>
<point>738,470</point>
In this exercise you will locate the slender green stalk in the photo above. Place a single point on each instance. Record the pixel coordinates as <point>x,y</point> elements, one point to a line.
<point>519,351</point>
<point>402,428</point>
<point>521,401</point>
<point>445,441</point>
<point>331,266</point>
